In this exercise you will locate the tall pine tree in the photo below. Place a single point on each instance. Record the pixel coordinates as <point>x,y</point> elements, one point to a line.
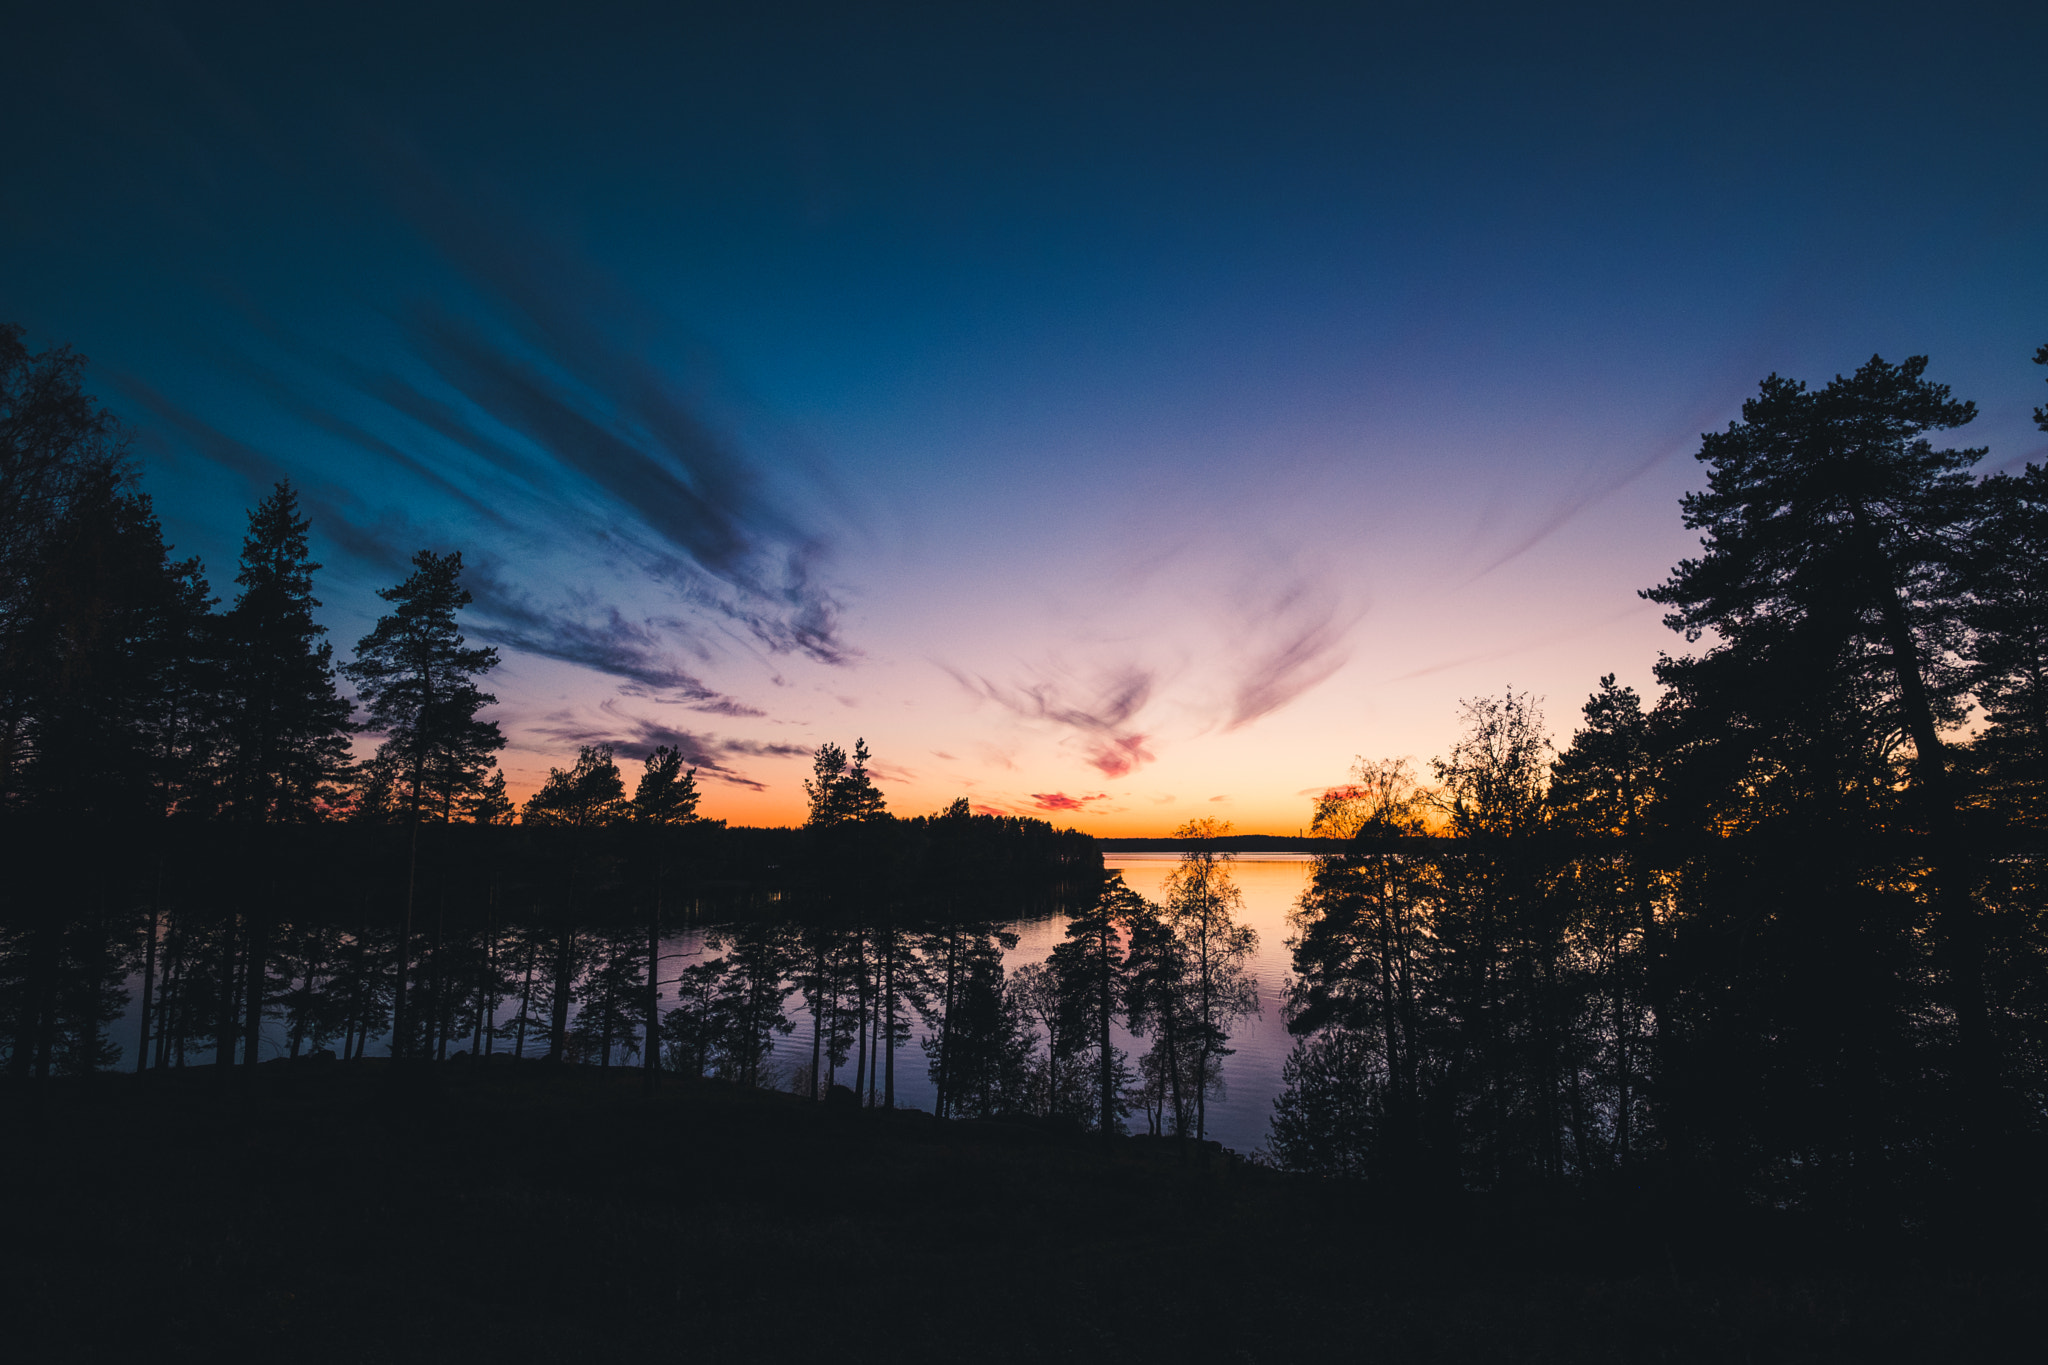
<point>288,728</point>
<point>417,677</point>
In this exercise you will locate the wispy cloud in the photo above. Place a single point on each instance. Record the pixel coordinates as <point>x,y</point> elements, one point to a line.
<point>1295,639</point>
<point>1097,712</point>
<point>604,641</point>
<point>635,737</point>
<point>1523,643</point>
<point>531,396</point>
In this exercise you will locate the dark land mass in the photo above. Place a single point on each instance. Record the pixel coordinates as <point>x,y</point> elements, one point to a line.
<point>1238,843</point>
<point>314,1212</point>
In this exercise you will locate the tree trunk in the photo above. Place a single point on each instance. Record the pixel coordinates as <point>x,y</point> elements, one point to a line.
<point>1106,1060</point>
<point>148,974</point>
<point>565,981</point>
<point>255,981</point>
<point>817,1025</point>
<point>943,1104</point>
<point>437,1018</point>
<point>230,988</point>
<point>306,997</point>
<point>860,1044</point>
<point>167,1000</point>
<point>889,1028</point>
<point>651,1063</point>
<point>526,999</point>
<point>412,860</point>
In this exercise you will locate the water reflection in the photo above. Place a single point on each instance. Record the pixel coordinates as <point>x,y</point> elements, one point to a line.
<point>1238,1118</point>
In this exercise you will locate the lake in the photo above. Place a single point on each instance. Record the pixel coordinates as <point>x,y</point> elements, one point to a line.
<point>1270,883</point>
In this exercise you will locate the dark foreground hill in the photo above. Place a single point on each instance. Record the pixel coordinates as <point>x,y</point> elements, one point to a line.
<point>500,1213</point>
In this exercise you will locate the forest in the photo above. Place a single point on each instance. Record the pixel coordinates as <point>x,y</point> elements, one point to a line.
<point>1778,936</point>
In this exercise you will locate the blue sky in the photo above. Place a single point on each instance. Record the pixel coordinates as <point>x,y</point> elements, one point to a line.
<point>1106,412</point>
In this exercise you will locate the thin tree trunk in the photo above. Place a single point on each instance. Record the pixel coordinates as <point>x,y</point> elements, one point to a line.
<point>874,1049</point>
<point>230,989</point>
<point>148,973</point>
<point>412,860</point>
<point>889,1030</point>
<point>167,1001</point>
<point>650,1064</point>
<point>860,1044</point>
<point>944,1101</point>
<point>437,1019</point>
<point>1106,1060</point>
<point>255,978</point>
<point>526,1000</point>
<point>610,1004</point>
<point>306,999</point>
<point>817,1027</point>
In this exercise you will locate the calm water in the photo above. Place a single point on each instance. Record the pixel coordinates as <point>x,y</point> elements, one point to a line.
<point>1271,882</point>
<point>1251,1075</point>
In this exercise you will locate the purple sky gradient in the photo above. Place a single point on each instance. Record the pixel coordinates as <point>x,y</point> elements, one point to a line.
<point>1119,418</point>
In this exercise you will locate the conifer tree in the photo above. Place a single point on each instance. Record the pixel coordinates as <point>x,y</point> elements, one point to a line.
<point>589,795</point>
<point>581,800</point>
<point>1092,974</point>
<point>490,805</point>
<point>664,800</point>
<point>416,676</point>
<point>1360,995</point>
<point>287,727</point>
<point>1832,532</point>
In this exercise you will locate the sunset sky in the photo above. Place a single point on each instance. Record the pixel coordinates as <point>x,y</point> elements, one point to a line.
<point>1109,414</point>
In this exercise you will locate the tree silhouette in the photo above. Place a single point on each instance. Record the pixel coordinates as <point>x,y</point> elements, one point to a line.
<point>287,727</point>
<point>1092,974</point>
<point>664,801</point>
<point>416,676</point>
<point>57,444</point>
<point>2007,612</point>
<point>1603,789</point>
<point>1362,987</point>
<point>841,790</point>
<point>1202,904</point>
<point>581,800</point>
<point>1833,529</point>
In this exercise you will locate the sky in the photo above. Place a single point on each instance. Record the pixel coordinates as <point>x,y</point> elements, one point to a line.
<point>1119,414</point>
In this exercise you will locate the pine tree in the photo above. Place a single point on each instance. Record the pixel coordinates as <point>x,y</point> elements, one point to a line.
<point>1092,975</point>
<point>1832,534</point>
<point>1360,995</point>
<point>589,795</point>
<point>664,800</point>
<point>490,805</point>
<point>287,726</point>
<point>417,679</point>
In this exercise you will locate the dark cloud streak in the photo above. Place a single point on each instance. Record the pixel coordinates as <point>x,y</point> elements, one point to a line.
<point>635,737</point>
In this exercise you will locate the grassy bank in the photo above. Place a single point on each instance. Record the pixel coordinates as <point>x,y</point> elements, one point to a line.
<point>350,1213</point>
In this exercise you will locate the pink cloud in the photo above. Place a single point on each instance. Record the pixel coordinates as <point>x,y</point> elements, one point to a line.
<point>1118,756</point>
<point>1062,801</point>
